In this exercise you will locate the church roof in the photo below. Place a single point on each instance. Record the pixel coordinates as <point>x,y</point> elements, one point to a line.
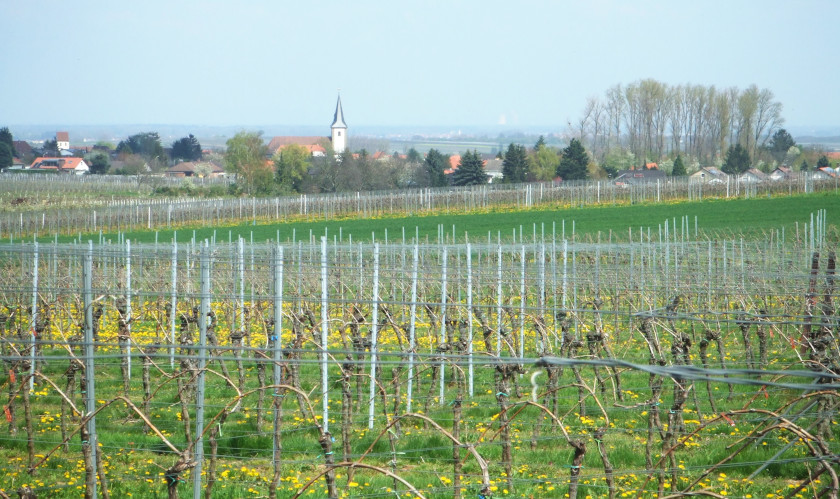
<point>338,119</point>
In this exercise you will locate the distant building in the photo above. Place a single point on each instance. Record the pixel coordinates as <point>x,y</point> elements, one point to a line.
<point>62,141</point>
<point>61,165</point>
<point>22,148</point>
<point>198,169</point>
<point>824,173</point>
<point>493,168</point>
<point>781,173</point>
<point>649,174</point>
<point>708,174</point>
<point>338,129</point>
<point>752,175</point>
<point>313,144</point>
<point>316,144</point>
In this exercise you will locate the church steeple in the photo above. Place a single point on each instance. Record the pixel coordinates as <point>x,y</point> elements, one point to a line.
<point>338,129</point>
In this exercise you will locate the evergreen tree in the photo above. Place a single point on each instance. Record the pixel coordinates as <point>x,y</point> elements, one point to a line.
<point>436,164</point>
<point>99,163</point>
<point>6,138</point>
<point>737,160</point>
<point>679,168</point>
<point>540,143</point>
<point>5,156</point>
<point>804,166</point>
<point>146,144</point>
<point>779,144</point>
<point>574,162</point>
<point>823,162</point>
<point>412,156</point>
<point>187,149</point>
<point>470,171</point>
<point>515,164</point>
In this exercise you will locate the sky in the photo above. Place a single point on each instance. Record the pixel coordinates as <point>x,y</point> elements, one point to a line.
<point>399,63</point>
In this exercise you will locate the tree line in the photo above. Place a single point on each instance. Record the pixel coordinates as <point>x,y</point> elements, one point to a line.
<point>652,119</point>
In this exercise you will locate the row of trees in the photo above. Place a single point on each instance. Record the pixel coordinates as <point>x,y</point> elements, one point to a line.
<point>294,169</point>
<point>653,120</point>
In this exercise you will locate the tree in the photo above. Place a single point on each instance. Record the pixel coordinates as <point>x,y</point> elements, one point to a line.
<point>780,144</point>
<point>412,156</point>
<point>544,163</point>
<point>50,149</point>
<point>470,170</point>
<point>6,138</point>
<point>515,164</point>
<point>804,166</point>
<point>823,162</point>
<point>540,143</point>
<point>737,160</point>
<point>573,164</point>
<point>5,156</point>
<point>436,164</point>
<point>186,149</point>
<point>99,163</point>
<point>146,144</point>
<point>245,156</point>
<point>291,164</point>
<point>679,168</point>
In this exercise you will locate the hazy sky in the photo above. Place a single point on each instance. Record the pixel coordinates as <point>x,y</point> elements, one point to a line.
<point>448,63</point>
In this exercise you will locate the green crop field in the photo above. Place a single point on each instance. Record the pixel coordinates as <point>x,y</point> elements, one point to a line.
<point>724,218</point>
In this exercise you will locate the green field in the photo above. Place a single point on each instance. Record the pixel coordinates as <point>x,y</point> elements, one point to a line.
<point>715,218</point>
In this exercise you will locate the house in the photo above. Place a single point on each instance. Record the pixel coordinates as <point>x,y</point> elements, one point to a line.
<point>61,165</point>
<point>708,174</point>
<point>781,173</point>
<point>22,148</point>
<point>824,173</point>
<point>454,161</point>
<point>752,176</point>
<point>639,176</point>
<point>493,168</point>
<point>198,169</point>
<point>312,144</point>
<point>62,141</point>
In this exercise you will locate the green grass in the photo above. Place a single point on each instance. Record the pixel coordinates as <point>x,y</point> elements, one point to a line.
<point>747,217</point>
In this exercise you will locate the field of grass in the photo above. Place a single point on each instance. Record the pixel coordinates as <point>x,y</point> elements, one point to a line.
<point>715,218</point>
<point>135,459</point>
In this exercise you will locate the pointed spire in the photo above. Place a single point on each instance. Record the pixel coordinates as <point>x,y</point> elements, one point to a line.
<point>338,119</point>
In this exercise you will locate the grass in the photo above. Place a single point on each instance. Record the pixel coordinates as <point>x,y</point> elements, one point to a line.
<point>748,217</point>
<point>135,458</point>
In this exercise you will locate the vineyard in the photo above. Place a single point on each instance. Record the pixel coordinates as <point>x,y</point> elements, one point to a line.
<point>667,365</point>
<point>61,206</point>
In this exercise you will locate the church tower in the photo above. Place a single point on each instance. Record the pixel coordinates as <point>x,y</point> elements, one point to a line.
<point>339,129</point>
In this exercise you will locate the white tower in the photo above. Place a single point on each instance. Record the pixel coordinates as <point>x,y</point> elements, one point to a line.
<point>339,129</point>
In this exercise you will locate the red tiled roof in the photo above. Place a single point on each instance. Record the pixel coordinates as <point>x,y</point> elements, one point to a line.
<point>281,141</point>
<point>62,137</point>
<point>63,164</point>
